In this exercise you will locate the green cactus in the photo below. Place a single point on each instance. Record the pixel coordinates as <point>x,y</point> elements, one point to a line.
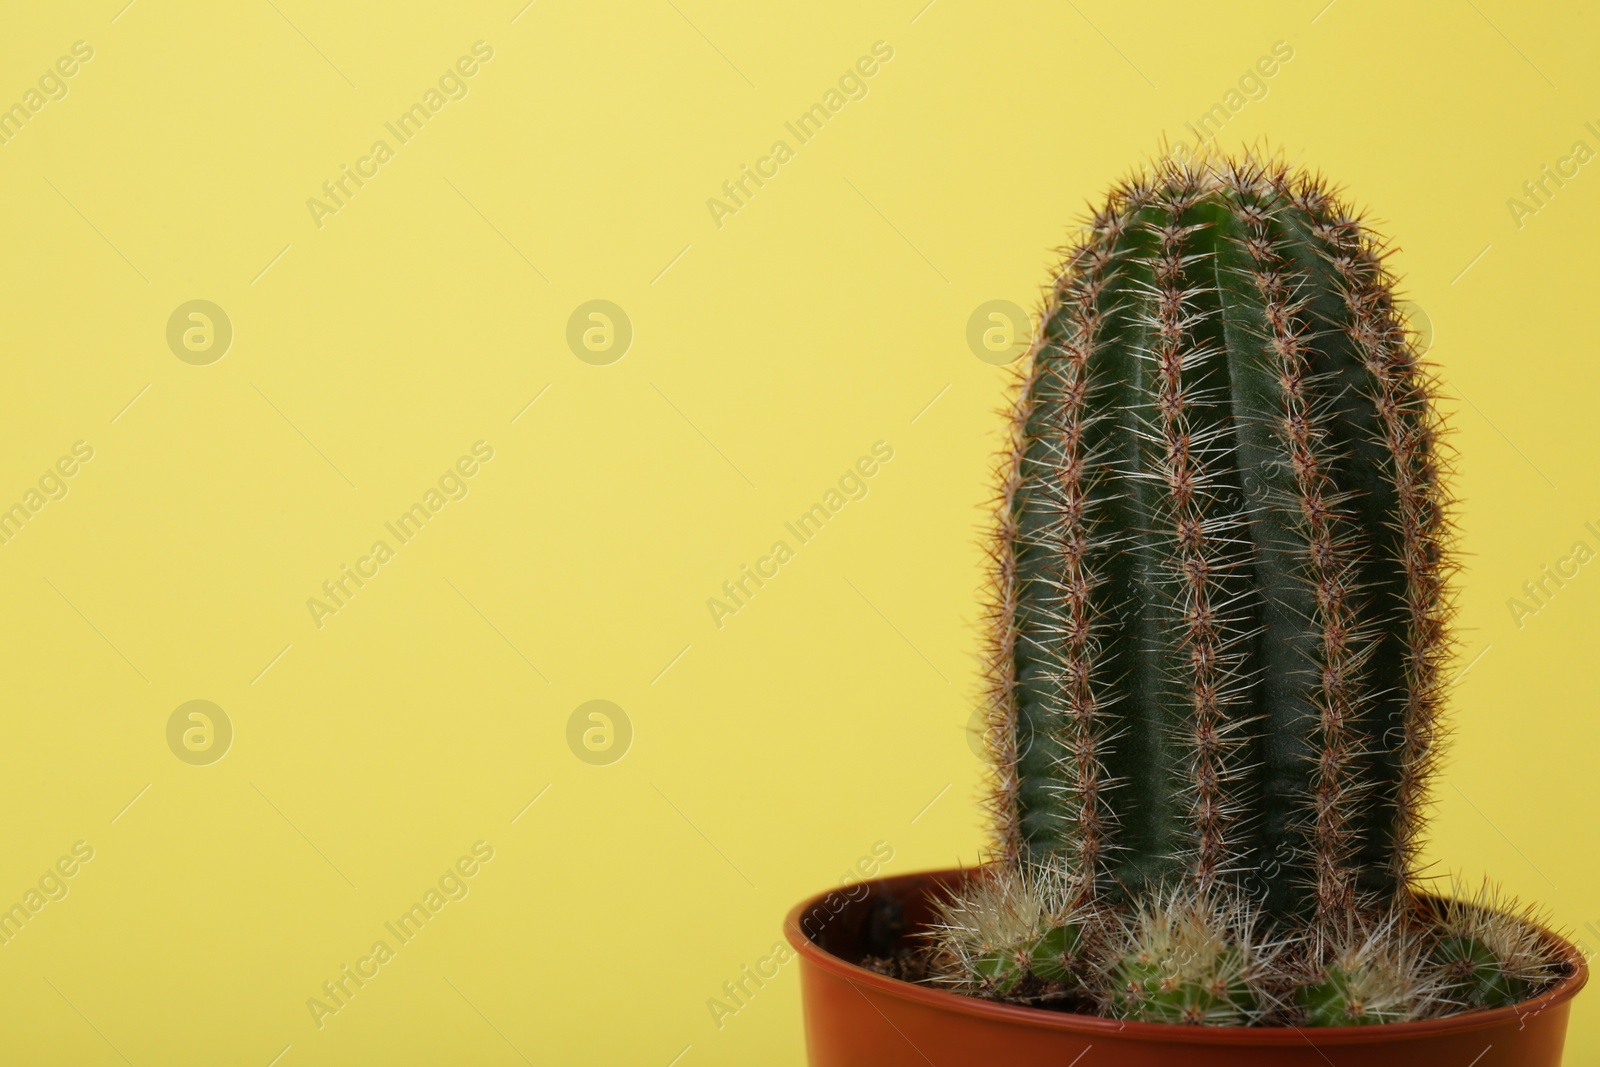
<point>1189,958</point>
<point>1047,955</point>
<point>1370,975</point>
<point>1489,953</point>
<point>1475,975</point>
<point>1014,933</point>
<point>1217,624</point>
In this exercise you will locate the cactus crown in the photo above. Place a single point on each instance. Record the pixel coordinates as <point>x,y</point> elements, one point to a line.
<point>1217,626</point>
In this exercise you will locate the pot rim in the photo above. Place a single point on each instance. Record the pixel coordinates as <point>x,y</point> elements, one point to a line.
<point>1174,1033</point>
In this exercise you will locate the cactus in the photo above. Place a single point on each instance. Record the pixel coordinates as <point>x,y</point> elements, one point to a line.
<point>1014,933</point>
<point>1192,958</point>
<point>1489,953</point>
<point>1371,973</point>
<point>1217,622</point>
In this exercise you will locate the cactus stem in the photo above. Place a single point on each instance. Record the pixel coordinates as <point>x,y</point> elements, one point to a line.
<point>1329,569</point>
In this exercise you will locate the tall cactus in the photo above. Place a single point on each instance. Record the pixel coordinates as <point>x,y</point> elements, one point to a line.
<point>1217,635</point>
<point>1218,616</point>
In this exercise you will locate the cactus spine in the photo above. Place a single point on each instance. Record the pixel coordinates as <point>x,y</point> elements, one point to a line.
<point>1218,623</point>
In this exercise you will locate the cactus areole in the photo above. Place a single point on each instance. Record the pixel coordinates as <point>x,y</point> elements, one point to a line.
<point>1218,624</point>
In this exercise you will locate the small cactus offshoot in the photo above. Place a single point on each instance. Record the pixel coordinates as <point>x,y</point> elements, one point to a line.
<point>1014,934</point>
<point>1188,958</point>
<point>1372,974</point>
<point>1490,953</point>
<point>1217,631</point>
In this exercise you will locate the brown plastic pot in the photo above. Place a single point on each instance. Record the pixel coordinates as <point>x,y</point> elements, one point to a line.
<point>857,1018</point>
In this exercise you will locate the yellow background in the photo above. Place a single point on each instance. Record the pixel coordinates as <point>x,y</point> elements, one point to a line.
<point>769,354</point>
